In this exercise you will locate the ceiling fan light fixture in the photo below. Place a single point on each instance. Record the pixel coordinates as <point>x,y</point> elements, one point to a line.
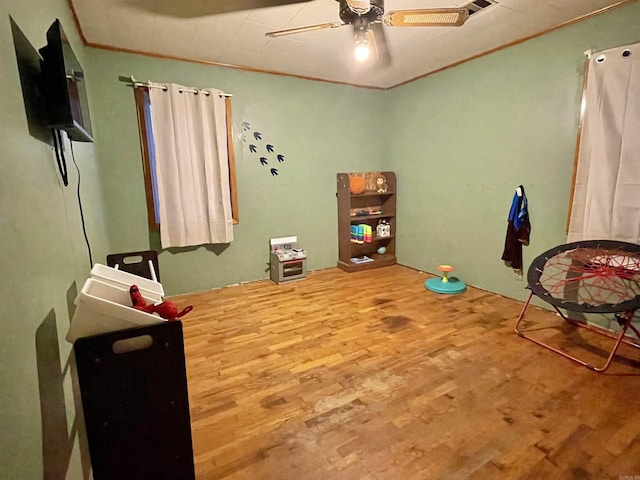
<point>362,50</point>
<point>442,17</point>
<point>359,7</point>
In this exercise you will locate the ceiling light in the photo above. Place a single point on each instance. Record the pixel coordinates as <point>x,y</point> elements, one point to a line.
<point>362,52</point>
<point>362,46</point>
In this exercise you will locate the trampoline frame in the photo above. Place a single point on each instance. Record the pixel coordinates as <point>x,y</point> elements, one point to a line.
<point>624,312</point>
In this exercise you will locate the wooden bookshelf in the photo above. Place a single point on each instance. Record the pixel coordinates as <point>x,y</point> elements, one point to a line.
<point>363,203</point>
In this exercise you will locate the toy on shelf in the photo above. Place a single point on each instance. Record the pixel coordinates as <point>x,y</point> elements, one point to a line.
<point>381,184</point>
<point>167,310</point>
<point>383,229</point>
<point>445,284</point>
<point>357,184</point>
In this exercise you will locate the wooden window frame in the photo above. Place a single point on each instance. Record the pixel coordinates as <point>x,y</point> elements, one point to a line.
<point>576,153</point>
<point>141,95</point>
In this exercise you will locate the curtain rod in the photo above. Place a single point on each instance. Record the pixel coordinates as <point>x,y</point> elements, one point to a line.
<point>132,82</point>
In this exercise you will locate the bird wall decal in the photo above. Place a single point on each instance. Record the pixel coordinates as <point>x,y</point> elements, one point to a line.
<point>264,152</point>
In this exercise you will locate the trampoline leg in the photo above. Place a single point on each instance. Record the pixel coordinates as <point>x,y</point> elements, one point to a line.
<point>615,347</point>
<point>619,338</point>
<point>524,308</point>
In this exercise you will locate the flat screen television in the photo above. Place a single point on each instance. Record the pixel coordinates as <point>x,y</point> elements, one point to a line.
<point>63,86</point>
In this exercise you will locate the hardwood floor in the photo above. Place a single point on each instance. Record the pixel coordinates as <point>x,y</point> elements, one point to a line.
<point>369,375</point>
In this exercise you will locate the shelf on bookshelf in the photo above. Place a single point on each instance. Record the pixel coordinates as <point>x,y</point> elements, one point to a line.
<point>371,194</point>
<point>355,218</point>
<point>374,239</point>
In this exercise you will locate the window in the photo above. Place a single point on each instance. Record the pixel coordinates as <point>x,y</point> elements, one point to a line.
<point>143,107</point>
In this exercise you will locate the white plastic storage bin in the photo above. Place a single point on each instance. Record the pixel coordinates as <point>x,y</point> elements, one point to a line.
<point>101,308</point>
<point>113,276</point>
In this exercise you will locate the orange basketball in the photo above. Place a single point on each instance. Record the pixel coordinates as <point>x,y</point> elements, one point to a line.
<point>356,185</point>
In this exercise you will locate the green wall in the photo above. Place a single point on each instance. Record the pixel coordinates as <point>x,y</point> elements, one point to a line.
<point>460,142</point>
<point>44,262</point>
<point>321,128</point>
<point>464,139</point>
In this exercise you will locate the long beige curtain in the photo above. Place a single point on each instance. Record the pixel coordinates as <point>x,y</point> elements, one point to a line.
<point>606,200</point>
<point>192,170</point>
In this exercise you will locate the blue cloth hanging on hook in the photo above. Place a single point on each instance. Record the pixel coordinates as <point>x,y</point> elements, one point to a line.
<point>518,230</point>
<point>519,208</point>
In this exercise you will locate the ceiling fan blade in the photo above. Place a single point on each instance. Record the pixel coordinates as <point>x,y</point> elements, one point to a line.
<point>430,17</point>
<point>310,28</point>
<point>360,7</point>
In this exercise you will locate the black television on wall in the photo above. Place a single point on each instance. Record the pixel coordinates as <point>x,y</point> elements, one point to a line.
<point>63,87</point>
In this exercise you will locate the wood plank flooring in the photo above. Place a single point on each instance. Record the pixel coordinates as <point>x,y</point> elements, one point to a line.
<point>369,376</point>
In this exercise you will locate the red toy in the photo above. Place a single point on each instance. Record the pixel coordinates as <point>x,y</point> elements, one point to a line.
<point>167,310</point>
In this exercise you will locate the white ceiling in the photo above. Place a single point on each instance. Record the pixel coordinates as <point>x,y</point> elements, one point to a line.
<point>188,29</point>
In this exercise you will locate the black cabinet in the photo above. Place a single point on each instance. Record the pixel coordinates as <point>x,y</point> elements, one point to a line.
<point>135,401</point>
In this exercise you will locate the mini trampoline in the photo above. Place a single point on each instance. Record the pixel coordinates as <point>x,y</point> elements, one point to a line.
<point>445,284</point>
<point>593,276</point>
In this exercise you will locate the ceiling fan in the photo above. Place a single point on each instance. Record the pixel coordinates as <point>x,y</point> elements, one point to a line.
<point>368,15</point>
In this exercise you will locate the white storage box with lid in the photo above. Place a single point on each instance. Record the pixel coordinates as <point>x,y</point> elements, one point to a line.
<point>148,288</point>
<point>102,307</point>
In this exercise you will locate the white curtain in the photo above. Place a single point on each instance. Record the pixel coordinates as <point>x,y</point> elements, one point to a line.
<point>606,203</point>
<point>192,169</point>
